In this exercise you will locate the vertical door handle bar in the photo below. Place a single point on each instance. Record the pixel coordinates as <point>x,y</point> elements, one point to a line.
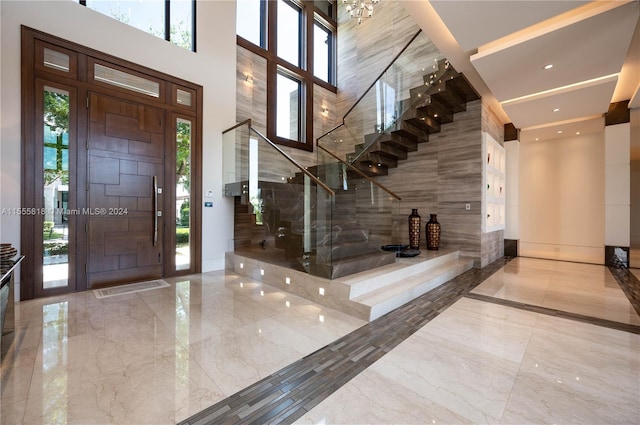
<point>155,210</point>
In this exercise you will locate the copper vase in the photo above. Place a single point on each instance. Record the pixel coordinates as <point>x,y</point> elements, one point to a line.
<point>433,232</point>
<point>414,229</point>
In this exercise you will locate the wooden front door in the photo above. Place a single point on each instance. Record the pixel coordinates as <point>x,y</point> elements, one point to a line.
<point>125,179</point>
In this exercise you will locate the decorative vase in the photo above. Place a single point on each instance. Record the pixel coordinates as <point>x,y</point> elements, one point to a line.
<point>414,229</point>
<point>433,233</point>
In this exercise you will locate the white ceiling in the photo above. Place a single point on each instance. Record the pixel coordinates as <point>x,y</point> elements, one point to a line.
<point>503,46</point>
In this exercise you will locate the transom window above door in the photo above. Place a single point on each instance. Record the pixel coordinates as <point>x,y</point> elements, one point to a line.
<point>171,20</point>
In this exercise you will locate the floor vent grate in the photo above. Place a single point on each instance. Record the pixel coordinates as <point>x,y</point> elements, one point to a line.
<point>129,289</point>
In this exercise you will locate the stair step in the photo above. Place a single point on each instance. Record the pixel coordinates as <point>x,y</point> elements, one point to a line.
<point>377,160</point>
<point>390,297</point>
<point>426,124</point>
<point>362,283</point>
<point>400,142</point>
<point>447,93</point>
<point>463,86</point>
<point>406,129</point>
<point>379,147</point>
<point>372,170</point>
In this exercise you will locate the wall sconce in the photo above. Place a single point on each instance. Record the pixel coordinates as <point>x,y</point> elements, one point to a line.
<point>248,79</point>
<point>325,111</point>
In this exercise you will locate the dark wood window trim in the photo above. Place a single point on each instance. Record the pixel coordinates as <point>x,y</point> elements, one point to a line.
<point>78,81</point>
<point>309,15</point>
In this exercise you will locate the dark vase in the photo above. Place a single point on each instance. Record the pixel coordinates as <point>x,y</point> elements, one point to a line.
<point>433,232</point>
<point>414,229</point>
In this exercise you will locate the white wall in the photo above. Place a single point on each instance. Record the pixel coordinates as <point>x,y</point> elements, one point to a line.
<point>635,188</point>
<point>562,198</point>
<point>213,67</point>
<point>512,190</point>
<point>617,148</point>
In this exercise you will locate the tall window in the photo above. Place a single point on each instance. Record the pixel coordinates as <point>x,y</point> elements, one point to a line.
<point>322,52</point>
<point>289,32</point>
<point>171,20</point>
<point>297,38</point>
<point>251,24</point>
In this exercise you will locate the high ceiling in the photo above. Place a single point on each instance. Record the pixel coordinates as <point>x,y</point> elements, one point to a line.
<point>504,46</point>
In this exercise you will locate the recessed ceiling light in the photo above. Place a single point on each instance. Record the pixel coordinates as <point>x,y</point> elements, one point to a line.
<point>537,139</point>
<point>577,132</point>
<point>549,66</point>
<point>559,131</point>
<point>556,110</point>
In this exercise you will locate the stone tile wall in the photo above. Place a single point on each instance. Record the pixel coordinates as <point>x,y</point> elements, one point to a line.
<point>441,177</point>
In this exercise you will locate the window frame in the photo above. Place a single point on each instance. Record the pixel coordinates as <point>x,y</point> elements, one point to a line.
<point>167,22</point>
<point>310,14</point>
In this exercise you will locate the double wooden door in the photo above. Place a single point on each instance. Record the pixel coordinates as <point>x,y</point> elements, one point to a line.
<point>125,152</point>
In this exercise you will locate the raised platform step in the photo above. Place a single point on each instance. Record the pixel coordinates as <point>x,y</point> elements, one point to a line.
<point>413,278</point>
<point>394,295</point>
<point>408,278</point>
<point>404,268</point>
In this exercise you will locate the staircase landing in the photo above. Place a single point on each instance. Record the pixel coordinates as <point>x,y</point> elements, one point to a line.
<point>366,295</point>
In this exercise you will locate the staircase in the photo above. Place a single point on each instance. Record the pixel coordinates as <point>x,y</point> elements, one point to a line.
<point>444,93</point>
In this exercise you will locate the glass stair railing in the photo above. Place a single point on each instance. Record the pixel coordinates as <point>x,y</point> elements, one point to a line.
<point>416,94</point>
<point>313,219</point>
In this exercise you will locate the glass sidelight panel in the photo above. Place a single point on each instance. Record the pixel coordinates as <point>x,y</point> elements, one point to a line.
<point>183,194</point>
<point>55,227</point>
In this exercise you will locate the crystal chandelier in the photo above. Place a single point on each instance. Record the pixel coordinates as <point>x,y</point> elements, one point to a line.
<point>360,8</point>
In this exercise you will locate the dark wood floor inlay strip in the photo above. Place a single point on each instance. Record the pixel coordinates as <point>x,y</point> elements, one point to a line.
<point>629,283</point>
<point>557,313</point>
<point>290,393</point>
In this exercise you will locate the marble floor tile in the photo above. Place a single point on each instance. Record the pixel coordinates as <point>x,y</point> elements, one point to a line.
<point>155,357</point>
<point>564,372</point>
<point>471,383</point>
<point>238,358</point>
<point>514,287</point>
<point>167,355</point>
<point>376,399</point>
<point>577,373</point>
<point>586,289</point>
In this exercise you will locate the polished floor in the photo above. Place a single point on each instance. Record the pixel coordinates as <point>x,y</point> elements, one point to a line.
<point>511,347</point>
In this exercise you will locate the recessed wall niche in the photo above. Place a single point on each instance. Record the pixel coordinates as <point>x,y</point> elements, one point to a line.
<point>493,184</point>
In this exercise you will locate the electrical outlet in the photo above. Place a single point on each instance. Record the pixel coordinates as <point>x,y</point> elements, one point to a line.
<point>467,207</point>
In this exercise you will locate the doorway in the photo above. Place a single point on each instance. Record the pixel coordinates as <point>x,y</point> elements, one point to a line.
<point>111,164</point>
<point>125,180</point>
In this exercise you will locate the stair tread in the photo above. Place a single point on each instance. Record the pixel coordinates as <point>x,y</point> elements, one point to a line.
<point>402,263</point>
<point>389,291</point>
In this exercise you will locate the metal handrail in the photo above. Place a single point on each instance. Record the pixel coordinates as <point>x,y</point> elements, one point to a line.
<point>372,85</point>
<point>283,153</point>
<point>382,73</point>
<point>369,179</point>
<point>240,124</point>
<point>293,161</point>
